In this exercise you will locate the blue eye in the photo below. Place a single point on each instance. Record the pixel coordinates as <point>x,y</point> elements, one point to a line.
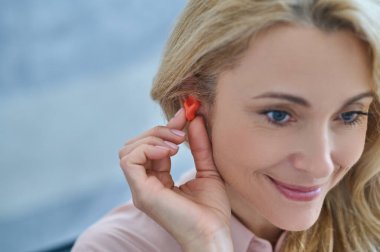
<point>353,117</point>
<point>349,116</point>
<point>277,117</point>
<point>282,118</point>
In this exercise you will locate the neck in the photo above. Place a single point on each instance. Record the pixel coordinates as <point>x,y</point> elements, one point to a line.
<point>251,219</point>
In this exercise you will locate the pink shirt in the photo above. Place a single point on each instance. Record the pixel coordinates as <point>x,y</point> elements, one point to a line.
<point>128,229</point>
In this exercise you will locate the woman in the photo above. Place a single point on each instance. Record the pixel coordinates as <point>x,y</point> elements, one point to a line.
<point>286,142</point>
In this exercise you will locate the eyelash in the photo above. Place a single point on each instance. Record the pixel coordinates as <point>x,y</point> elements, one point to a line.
<point>356,121</point>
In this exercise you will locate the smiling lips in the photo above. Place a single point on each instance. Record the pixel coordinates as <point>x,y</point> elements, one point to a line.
<point>297,193</point>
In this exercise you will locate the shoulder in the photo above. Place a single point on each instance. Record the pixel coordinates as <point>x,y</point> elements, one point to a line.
<point>126,229</point>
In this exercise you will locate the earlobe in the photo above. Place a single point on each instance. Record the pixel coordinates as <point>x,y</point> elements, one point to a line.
<point>191,105</point>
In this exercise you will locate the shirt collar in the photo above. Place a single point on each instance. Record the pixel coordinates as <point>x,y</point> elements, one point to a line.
<point>245,241</point>
<point>241,236</point>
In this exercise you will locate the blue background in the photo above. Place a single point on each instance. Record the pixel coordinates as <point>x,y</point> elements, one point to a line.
<point>74,87</point>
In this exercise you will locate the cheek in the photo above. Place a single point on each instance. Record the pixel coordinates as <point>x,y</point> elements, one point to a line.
<point>240,146</point>
<point>349,147</point>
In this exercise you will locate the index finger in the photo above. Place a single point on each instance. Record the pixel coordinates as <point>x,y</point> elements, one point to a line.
<point>178,121</point>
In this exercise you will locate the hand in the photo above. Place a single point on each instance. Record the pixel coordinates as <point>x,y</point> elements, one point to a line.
<point>196,214</point>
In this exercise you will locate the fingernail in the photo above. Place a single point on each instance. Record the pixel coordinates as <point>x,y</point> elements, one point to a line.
<point>171,145</point>
<point>178,132</point>
<point>178,112</point>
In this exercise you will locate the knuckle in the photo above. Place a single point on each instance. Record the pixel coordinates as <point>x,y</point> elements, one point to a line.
<point>140,144</point>
<point>153,139</point>
<point>122,152</point>
<point>134,155</point>
<point>121,163</point>
<point>157,130</point>
<point>124,162</point>
<point>150,138</point>
<point>127,149</point>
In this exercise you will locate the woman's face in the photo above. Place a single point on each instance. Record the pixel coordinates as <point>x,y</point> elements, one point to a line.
<point>288,122</point>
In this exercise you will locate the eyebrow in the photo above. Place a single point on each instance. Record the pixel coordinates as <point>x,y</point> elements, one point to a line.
<point>301,101</point>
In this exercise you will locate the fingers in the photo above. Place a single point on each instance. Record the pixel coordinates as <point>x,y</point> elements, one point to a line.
<point>178,121</point>
<point>164,132</point>
<point>171,132</point>
<point>152,140</point>
<point>168,136</point>
<point>149,154</point>
<point>200,146</point>
<point>135,164</point>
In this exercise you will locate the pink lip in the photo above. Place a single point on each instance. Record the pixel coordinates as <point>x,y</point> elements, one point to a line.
<point>295,192</point>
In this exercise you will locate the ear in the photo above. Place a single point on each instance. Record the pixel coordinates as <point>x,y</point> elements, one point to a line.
<point>191,105</point>
<point>191,110</point>
<point>203,108</point>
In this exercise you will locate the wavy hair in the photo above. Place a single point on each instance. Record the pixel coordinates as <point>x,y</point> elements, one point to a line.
<point>210,37</point>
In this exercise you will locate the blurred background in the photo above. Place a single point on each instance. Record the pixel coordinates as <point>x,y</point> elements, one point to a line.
<point>74,87</point>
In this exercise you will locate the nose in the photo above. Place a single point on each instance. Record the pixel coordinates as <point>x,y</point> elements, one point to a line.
<point>314,152</point>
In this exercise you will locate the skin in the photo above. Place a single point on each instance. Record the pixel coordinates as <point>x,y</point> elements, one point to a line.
<point>313,147</point>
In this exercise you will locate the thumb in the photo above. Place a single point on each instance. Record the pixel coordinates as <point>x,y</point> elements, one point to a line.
<point>200,145</point>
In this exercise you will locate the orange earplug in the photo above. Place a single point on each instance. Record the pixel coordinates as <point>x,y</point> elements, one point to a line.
<point>191,106</point>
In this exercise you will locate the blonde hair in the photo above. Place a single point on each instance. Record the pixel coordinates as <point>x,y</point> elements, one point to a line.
<point>209,38</point>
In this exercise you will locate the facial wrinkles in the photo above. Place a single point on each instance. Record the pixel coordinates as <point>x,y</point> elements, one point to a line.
<point>313,144</point>
<point>298,153</point>
<point>321,90</point>
<point>315,148</point>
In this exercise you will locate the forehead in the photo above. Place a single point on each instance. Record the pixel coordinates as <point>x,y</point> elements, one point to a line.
<point>302,60</point>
